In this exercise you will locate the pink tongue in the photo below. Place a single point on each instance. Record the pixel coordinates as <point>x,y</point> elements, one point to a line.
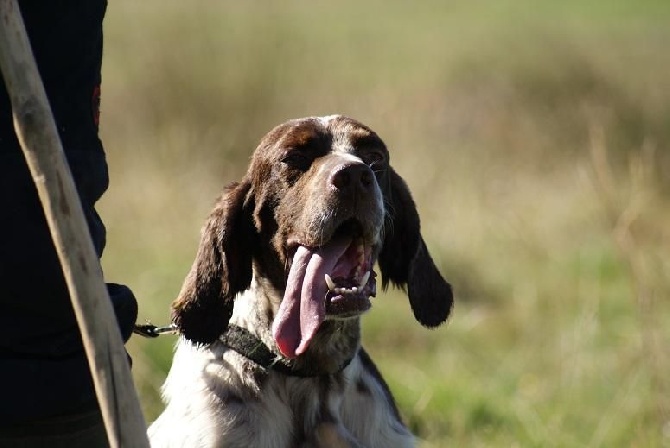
<point>303,308</point>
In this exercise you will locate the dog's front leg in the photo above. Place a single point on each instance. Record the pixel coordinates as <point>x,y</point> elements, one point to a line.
<point>330,435</point>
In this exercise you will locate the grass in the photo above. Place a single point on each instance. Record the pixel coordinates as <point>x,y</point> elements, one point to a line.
<point>535,137</point>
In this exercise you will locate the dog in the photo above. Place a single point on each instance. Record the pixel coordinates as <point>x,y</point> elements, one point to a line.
<point>269,315</point>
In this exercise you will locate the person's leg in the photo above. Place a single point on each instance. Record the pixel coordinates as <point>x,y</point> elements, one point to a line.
<point>84,429</point>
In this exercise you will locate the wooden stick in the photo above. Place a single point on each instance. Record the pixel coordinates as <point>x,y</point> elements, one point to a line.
<point>39,140</point>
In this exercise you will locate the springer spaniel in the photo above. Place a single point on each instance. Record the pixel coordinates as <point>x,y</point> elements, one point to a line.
<point>270,353</point>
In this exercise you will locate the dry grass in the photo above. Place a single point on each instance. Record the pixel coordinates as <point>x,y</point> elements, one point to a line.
<point>535,137</point>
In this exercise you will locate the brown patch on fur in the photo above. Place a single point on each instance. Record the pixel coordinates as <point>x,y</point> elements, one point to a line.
<point>362,388</point>
<point>329,434</point>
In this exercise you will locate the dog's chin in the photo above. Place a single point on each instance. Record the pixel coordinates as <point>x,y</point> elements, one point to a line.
<point>343,307</point>
<point>345,299</point>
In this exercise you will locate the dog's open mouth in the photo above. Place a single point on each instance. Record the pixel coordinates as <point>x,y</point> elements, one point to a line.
<point>334,280</point>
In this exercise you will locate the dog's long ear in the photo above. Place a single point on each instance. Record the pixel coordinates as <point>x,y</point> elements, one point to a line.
<point>404,259</point>
<point>222,268</point>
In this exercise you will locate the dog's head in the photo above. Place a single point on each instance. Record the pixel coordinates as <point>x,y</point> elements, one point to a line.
<point>319,205</point>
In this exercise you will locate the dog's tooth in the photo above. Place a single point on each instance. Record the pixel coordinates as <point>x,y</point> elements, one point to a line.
<point>364,280</point>
<point>329,282</point>
<point>354,289</point>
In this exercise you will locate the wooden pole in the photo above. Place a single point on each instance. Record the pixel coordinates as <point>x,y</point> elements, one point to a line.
<point>36,130</point>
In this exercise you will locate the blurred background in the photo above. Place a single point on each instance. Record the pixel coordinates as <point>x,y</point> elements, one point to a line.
<point>535,136</point>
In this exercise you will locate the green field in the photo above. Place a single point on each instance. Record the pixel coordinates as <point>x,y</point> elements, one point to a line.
<point>535,136</point>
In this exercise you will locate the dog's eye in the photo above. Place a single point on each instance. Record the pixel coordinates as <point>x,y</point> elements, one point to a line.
<point>372,158</point>
<point>297,160</point>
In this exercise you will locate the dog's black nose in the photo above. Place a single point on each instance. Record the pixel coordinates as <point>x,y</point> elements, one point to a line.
<point>351,178</point>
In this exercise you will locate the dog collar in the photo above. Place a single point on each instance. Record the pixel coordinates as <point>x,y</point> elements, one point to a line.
<point>248,345</point>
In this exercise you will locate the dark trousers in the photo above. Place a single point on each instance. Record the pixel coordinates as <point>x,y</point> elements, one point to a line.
<point>84,429</point>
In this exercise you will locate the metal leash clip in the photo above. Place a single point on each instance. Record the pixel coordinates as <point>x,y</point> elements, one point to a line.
<point>149,330</point>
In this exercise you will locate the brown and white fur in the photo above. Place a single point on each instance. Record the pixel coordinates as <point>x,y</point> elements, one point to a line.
<point>319,198</point>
